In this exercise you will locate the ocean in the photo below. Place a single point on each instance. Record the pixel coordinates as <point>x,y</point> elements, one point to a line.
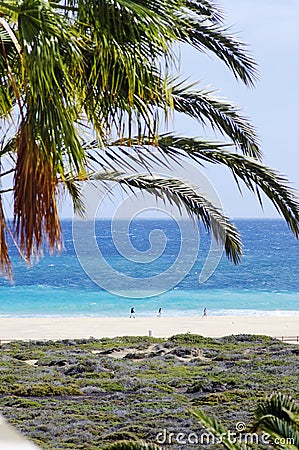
<point>151,265</point>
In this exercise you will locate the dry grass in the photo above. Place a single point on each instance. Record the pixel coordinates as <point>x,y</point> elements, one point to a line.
<point>35,208</point>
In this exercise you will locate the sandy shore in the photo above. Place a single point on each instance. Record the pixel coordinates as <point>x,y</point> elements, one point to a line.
<point>84,327</point>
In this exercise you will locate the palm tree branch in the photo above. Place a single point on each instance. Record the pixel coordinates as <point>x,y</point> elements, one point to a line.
<point>48,43</point>
<point>7,70</point>
<point>221,115</point>
<point>179,193</point>
<point>278,416</point>
<point>256,176</point>
<point>277,404</point>
<point>252,172</point>
<point>206,9</point>
<point>284,434</point>
<point>74,189</point>
<point>217,430</point>
<point>214,37</point>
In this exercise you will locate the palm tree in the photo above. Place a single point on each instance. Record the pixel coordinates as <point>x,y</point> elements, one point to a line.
<point>83,81</point>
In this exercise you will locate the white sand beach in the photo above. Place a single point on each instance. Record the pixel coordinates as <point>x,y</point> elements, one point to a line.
<point>85,327</point>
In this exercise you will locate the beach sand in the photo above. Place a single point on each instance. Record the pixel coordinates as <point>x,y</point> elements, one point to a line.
<point>85,327</point>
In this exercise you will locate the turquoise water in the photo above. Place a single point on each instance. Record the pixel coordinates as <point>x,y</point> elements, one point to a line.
<point>266,282</point>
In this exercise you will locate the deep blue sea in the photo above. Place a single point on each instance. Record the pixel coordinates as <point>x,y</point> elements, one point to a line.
<point>152,256</point>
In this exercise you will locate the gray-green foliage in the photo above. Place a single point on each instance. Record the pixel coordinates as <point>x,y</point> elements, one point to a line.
<point>92,393</point>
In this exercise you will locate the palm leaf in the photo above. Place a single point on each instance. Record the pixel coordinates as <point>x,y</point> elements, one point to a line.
<point>216,38</point>
<point>125,80</point>
<point>73,187</point>
<point>278,404</point>
<point>252,172</point>
<point>48,45</point>
<point>10,51</point>
<point>278,415</point>
<point>283,434</point>
<point>206,9</point>
<point>179,193</point>
<point>7,54</point>
<point>127,152</point>
<point>221,115</point>
<point>256,176</point>
<point>217,430</point>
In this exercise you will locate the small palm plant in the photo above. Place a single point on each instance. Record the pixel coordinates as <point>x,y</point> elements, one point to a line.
<point>277,416</point>
<point>218,430</point>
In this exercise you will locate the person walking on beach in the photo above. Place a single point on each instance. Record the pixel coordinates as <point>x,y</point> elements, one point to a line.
<point>159,312</point>
<point>205,312</point>
<point>132,314</point>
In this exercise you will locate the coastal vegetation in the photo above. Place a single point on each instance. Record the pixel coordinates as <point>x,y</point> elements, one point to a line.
<point>90,394</point>
<point>85,87</point>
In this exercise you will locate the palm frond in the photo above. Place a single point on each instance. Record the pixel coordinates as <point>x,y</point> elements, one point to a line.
<point>180,194</point>
<point>220,114</point>
<point>12,37</point>
<point>282,433</point>
<point>226,47</point>
<point>124,21</point>
<point>277,404</point>
<point>125,80</point>
<point>74,189</point>
<point>256,176</point>
<point>10,48</point>
<point>50,53</point>
<point>7,54</point>
<point>206,9</point>
<point>217,430</point>
<point>252,172</point>
<point>7,145</point>
<point>278,415</point>
<point>119,156</point>
<point>127,106</point>
<point>141,151</point>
